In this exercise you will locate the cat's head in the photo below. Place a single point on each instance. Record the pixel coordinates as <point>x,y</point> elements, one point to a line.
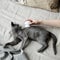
<point>15,27</point>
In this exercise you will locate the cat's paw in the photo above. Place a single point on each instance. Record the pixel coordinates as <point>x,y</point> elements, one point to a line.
<point>40,51</point>
<point>6,46</point>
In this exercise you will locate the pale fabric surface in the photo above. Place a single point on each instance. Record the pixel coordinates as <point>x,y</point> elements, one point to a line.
<point>10,11</point>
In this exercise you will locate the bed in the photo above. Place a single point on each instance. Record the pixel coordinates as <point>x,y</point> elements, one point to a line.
<point>10,11</point>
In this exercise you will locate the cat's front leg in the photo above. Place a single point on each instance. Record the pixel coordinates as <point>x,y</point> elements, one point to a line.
<point>26,43</point>
<point>23,43</point>
<point>13,43</point>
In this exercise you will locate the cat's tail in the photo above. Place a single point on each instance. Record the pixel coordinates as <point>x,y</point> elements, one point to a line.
<point>54,42</point>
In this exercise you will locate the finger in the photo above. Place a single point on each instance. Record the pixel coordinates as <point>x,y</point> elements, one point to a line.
<point>29,20</point>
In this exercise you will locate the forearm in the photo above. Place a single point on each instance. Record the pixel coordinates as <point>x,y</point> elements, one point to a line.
<point>55,23</point>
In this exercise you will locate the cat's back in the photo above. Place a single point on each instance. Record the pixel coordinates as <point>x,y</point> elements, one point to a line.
<point>36,29</point>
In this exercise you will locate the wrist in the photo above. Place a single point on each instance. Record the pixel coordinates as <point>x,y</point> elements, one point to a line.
<point>39,22</point>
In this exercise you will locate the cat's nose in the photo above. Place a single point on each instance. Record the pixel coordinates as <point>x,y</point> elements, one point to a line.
<point>12,24</point>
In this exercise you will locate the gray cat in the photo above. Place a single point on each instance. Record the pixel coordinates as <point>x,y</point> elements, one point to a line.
<point>33,33</point>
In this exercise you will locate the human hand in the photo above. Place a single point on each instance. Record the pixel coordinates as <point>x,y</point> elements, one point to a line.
<point>34,21</point>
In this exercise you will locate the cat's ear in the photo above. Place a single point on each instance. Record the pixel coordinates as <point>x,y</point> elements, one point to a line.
<point>12,24</point>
